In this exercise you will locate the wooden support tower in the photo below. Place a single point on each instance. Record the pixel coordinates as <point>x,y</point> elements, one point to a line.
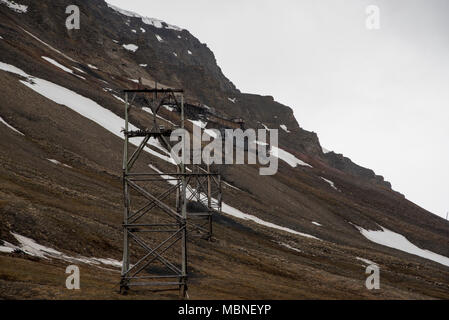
<point>156,230</point>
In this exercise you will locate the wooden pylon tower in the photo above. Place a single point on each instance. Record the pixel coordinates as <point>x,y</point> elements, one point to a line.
<point>141,249</point>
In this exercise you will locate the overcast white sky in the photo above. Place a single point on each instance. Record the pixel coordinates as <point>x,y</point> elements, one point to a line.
<point>380,97</point>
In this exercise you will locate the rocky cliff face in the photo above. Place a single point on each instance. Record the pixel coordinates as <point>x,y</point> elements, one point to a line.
<point>297,234</point>
<point>172,56</point>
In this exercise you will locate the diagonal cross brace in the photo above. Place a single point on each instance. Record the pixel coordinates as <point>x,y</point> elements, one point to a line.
<point>153,252</point>
<point>158,202</point>
<point>137,215</point>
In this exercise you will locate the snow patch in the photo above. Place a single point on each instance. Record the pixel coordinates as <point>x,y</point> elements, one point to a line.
<point>118,98</point>
<point>10,68</point>
<point>239,214</point>
<point>175,54</point>
<point>233,100</point>
<point>107,261</point>
<point>131,47</point>
<point>330,183</point>
<point>289,246</point>
<point>231,186</point>
<point>285,156</point>
<point>92,66</point>
<point>32,248</point>
<point>397,241</point>
<point>8,125</point>
<point>159,38</point>
<point>284,127</point>
<point>168,108</point>
<point>143,65</point>
<point>368,262</point>
<point>214,133</point>
<point>6,249</point>
<point>316,223</point>
<point>54,161</point>
<point>143,30</point>
<point>79,70</point>
<point>59,163</point>
<point>199,123</point>
<point>56,64</point>
<point>133,31</point>
<point>189,52</point>
<point>19,8</point>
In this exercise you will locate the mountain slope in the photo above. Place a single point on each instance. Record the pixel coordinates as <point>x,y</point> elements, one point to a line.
<point>74,205</point>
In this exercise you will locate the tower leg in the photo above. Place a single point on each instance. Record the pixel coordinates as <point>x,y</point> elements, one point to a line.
<point>125,265</point>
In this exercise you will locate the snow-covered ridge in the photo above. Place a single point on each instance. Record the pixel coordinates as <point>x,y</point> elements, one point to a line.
<point>397,241</point>
<point>150,21</point>
<point>19,8</point>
